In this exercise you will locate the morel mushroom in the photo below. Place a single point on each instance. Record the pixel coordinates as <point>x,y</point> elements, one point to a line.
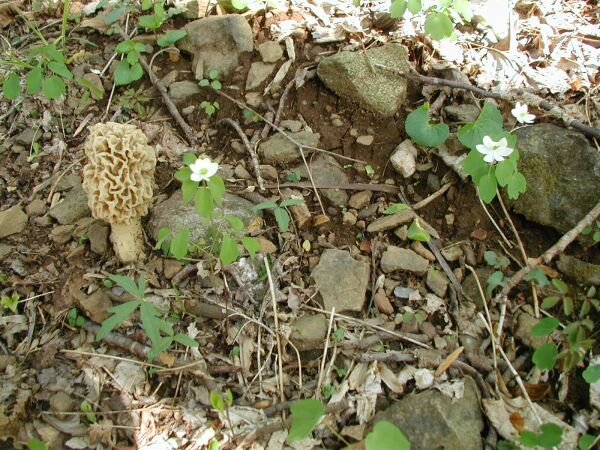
<point>118,180</point>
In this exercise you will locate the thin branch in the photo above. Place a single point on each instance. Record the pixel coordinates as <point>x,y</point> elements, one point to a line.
<point>512,96</point>
<point>253,156</point>
<point>549,254</point>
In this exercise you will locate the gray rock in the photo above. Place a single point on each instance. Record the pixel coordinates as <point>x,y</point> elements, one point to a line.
<point>432,420</point>
<point>258,73</point>
<point>403,292</point>
<point>5,250</point>
<point>73,207</point>
<point>270,51</point>
<point>392,221</point>
<point>61,234</point>
<point>12,220</point>
<point>68,182</point>
<point>28,136</point>
<point>563,176</point>
<point>278,149</point>
<point>462,113</point>
<point>368,211</point>
<point>180,91</point>
<point>341,280</point>
<point>325,169</point>
<point>216,43</point>
<point>360,199</point>
<point>97,234</point>
<point>348,74</point>
<point>309,332</point>
<point>62,402</point>
<point>36,208</point>
<point>580,271</point>
<point>437,282</point>
<point>254,99</point>
<point>175,215</point>
<point>292,125</point>
<point>396,258</point>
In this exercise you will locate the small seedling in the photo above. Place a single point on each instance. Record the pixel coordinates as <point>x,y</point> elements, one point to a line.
<point>417,233</point>
<point>87,408</point>
<point>34,152</point>
<point>212,81</point>
<point>595,227</point>
<point>159,331</point>
<point>251,116</point>
<point>10,302</point>
<point>370,171</point>
<point>210,108</point>
<point>550,435</point>
<point>395,208</point>
<point>281,214</point>
<point>129,68</point>
<point>222,403</point>
<point>74,319</point>
<point>293,176</point>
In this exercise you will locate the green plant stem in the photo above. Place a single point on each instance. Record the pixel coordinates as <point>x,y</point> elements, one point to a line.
<point>63,30</point>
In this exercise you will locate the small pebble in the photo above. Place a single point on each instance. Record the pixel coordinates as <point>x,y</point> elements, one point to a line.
<point>365,140</point>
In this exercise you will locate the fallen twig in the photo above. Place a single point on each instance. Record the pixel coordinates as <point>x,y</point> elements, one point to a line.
<point>512,96</point>
<point>240,132</point>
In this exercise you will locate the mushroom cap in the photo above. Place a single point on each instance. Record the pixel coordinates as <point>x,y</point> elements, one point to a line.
<point>119,174</point>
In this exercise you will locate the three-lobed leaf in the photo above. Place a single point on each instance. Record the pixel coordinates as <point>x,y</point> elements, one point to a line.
<point>305,416</point>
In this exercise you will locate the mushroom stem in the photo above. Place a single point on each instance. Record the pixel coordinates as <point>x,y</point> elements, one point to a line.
<point>127,241</point>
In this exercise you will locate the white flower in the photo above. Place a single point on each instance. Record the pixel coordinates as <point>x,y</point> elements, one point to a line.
<point>203,169</point>
<point>494,151</point>
<point>521,114</point>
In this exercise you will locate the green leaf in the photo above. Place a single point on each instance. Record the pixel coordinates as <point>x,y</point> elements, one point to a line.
<point>216,84</point>
<point>545,356</point>
<point>496,279</point>
<point>239,4</point>
<point>120,313</point>
<point>264,205</point>
<point>475,166</point>
<point>126,74</point>
<point>291,202</point>
<point>487,187</point>
<point>305,416</point>
<point>417,233</point>
<point>568,306</point>
<point>96,91</point>
<point>586,441</point>
<point>188,159</point>
<point>128,284</point>
<point>490,257</point>
<point>151,323</point>
<point>204,202</point>
<point>560,285</point>
<point>217,188</point>
<point>422,132</point>
<point>414,6</point>
<point>33,81</point>
<point>180,244</point>
<point>184,339</point>
<point>517,185</point>
<point>505,171</point>
<point>10,86</point>
<point>386,436</point>
<point>550,436</point>
<point>438,25</point>
<point>229,251</point>
<point>11,302</point>
<point>251,245</point>
<point>395,208</point>
<point>528,439</point>
<point>36,444</point>
<point>53,87</point>
<point>550,301</point>
<point>188,189</point>
<point>397,9</point>
<point>463,7</point>
<point>216,401</point>
<point>60,68</point>
<point>170,37</point>
<point>591,374</point>
<point>489,123</point>
<point>236,223</point>
<point>538,276</point>
<point>545,326</point>
<point>114,15</point>
<point>283,219</point>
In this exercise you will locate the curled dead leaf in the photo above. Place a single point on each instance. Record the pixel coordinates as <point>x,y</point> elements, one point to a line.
<point>383,304</point>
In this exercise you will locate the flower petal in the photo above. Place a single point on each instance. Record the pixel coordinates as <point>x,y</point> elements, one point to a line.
<point>504,151</point>
<point>488,142</point>
<point>482,149</point>
<point>502,143</point>
<point>489,158</point>
<point>195,177</point>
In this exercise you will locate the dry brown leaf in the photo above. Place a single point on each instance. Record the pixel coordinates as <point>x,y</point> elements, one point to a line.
<point>320,220</point>
<point>537,391</point>
<point>448,361</point>
<point>383,303</point>
<point>517,421</point>
<point>8,12</point>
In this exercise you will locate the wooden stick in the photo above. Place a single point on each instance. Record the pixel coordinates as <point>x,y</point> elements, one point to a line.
<point>511,96</point>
